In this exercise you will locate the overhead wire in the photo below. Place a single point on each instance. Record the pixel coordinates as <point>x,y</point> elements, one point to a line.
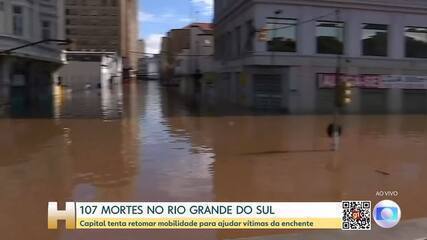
<point>299,23</point>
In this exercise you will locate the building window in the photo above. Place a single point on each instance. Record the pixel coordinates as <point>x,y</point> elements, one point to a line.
<point>1,6</point>
<point>374,39</point>
<point>46,34</point>
<point>416,42</point>
<point>228,40</point>
<point>238,39</point>
<point>218,47</point>
<point>282,35</point>
<point>18,21</point>
<point>330,36</point>
<point>250,33</point>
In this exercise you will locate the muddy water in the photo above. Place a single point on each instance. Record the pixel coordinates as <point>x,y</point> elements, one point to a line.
<point>143,143</point>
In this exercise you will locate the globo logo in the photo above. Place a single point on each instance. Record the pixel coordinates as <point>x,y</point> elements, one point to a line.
<point>387,214</point>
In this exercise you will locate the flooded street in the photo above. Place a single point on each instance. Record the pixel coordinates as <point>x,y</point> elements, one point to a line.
<point>145,143</point>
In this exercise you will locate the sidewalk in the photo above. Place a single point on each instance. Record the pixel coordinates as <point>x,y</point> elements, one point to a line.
<point>409,230</point>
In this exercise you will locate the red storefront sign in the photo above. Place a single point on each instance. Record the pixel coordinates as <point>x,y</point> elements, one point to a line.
<point>328,80</point>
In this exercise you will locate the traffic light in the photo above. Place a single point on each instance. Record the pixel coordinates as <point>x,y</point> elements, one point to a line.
<point>343,94</point>
<point>263,35</point>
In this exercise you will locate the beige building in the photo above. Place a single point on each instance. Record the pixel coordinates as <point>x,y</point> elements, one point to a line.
<point>104,25</point>
<point>184,51</point>
<point>175,41</point>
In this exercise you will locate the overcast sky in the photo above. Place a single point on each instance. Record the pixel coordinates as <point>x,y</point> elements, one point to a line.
<point>156,17</point>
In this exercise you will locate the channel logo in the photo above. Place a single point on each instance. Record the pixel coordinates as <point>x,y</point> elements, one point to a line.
<point>387,214</point>
<point>68,215</point>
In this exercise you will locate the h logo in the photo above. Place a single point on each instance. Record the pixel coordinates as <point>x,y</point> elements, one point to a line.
<point>54,215</point>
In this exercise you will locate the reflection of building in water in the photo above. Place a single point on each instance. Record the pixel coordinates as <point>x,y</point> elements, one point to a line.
<point>252,162</point>
<point>34,169</point>
<point>102,156</point>
<point>302,40</point>
<point>106,103</point>
<point>112,102</point>
<point>288,158</point>
<point>25,104</point>
<point>284,159</point>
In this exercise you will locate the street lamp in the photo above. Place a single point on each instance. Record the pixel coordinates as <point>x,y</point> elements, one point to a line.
<point>59,41</point>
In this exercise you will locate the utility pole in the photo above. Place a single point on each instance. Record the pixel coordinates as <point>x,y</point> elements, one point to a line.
<point>273,41</point>
<point>336,128</point>
<point>342,90</point>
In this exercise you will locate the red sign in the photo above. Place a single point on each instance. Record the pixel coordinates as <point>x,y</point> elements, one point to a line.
<point>328,80</point>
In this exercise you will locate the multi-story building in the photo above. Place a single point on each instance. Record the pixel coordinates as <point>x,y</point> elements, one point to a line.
<point>189,51</point>
<point>141,68</point>
<point>104,25</point>
<point>172,44</point>
<point>284,54</point>
<point>23,22</point>
<point>141,46</point>
<point>148,68</point>
<point>196,62</point>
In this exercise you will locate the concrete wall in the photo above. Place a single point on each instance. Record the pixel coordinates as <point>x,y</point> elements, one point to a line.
<point>76,75</point>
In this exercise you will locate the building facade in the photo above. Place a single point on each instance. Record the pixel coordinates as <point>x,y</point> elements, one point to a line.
<point>172,44</point>
<point>23,22</point>
<point>103,25</point>
<point>148,68</point>
<point>284,54</point>
<point>141,68</point>
<point>196,62</point>
<point>90,70</point>
<point>186,52</point>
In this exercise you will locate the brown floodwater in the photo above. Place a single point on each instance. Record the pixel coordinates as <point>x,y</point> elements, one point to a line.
<point>145,143</point>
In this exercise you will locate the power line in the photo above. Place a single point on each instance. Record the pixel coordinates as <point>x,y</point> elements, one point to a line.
<point>176,55</point>
<point>299,23</point>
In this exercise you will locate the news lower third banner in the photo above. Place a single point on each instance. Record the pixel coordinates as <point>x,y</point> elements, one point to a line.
<point>209,215</point>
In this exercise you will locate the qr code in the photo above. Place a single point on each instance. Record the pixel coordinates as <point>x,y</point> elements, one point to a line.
<point>356,215</point>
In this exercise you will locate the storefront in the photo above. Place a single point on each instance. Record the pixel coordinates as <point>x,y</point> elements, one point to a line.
<point>267,91</point>
<point>374,92</point>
